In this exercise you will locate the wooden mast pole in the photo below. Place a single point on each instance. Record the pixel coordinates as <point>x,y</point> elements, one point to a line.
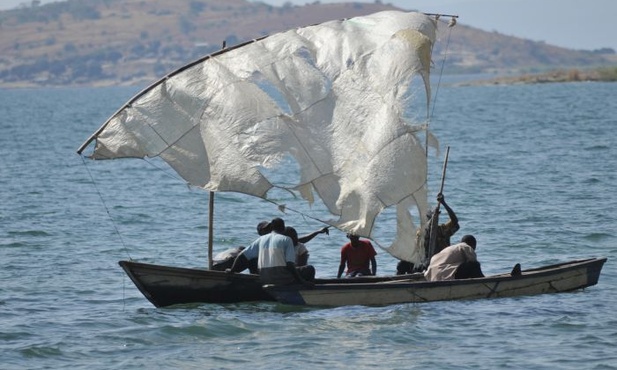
<point>211,213</point>
<point>210,229</point>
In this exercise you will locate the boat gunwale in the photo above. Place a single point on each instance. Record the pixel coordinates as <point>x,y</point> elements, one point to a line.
<point>222,275</point>
<point>525,275</point>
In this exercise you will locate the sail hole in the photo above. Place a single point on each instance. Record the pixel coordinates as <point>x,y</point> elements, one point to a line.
<point>385,226</point>
<point>285,173</point>
<point>272,91</point>
<point>287,178</point>
<point>416,109</point>
<point>398,234</point>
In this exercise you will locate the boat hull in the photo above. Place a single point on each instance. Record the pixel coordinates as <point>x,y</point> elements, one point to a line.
<point>549,279</point>
<point>166,285</point>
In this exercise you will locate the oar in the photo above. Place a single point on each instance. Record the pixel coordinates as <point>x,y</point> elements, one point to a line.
<point>435,217</point>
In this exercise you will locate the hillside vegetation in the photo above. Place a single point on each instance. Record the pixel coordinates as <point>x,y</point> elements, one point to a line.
<point>103,42</point>
<point>600,74</point>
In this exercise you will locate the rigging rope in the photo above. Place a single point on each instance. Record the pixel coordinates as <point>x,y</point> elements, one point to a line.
<point>435,217</point>
<point>451,24</point>
<point>166,171</point>
<point>106,208</point>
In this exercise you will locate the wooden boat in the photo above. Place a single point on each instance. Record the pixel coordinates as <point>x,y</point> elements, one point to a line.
<point>563,277</point>
<point>226,122</point>
<point>165,285</point>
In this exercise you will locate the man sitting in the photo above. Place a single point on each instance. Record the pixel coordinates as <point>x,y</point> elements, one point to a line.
<point>458,261</point>
<point>357,254</point>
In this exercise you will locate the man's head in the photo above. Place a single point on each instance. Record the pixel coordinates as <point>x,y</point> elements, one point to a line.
<point>291,232</point>
<point>263,228</point>
<point>353,239</point>
<point>278,225</point>
<point>430,212</point>
<point>469,240</point>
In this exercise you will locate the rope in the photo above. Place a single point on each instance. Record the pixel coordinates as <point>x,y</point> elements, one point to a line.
<point>451,24</point>
<point>166,171</point>
<point>106,208</point>
<point>443,63</point>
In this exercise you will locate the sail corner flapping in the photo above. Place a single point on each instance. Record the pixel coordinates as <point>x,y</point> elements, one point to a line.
<point>333,97</point>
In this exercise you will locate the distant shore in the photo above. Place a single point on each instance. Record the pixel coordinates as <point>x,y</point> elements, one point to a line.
<point>604,74</point>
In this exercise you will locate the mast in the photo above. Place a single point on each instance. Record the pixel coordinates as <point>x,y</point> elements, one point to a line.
<point>210,231</point>
<point>211,209</point>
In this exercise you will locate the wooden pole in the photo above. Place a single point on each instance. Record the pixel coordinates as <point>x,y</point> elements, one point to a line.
<point>210,228</point>
<point>443,171</point>
<point>442,15</point>
<point>211,213</point>
<point>435,217</point>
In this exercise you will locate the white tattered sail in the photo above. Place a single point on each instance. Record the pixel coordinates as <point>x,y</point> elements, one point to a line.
<point>333,96</point>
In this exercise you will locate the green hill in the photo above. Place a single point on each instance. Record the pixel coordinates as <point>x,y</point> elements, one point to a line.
<point>105,42</point>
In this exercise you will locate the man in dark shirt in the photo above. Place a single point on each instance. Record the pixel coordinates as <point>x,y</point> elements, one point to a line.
<point>442,238</point>
<point>444,231</point>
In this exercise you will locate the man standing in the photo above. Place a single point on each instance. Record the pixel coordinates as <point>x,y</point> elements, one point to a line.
<point>444,231</point>
<point>356,255</point>
<point>442,235</point>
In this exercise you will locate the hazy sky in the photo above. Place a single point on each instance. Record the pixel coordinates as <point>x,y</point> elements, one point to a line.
<point>575,24</point>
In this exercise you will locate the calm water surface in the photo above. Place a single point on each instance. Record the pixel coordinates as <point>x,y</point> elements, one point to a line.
<point>532,174</point>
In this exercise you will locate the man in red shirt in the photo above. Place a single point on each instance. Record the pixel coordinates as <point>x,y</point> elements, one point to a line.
<point>356,255</point>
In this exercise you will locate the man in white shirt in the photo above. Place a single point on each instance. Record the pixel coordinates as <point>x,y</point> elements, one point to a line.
<point>276,256</point>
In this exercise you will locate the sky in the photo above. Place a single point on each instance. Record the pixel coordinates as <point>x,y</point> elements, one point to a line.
<point>573,24</point>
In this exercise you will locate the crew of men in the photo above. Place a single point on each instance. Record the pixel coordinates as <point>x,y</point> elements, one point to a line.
<point>280,257</point>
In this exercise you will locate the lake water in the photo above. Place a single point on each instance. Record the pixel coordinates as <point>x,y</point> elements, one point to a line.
<point>532,173</point>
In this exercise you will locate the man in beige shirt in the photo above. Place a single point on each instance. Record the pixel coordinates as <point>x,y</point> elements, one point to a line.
<point>458,261</point>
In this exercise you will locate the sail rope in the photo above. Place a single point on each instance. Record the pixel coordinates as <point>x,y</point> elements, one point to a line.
<point>106,208</point>
<point>451,24</point>
<point>434,219</point>
<point>166,171</point>
<point>430,114</point>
